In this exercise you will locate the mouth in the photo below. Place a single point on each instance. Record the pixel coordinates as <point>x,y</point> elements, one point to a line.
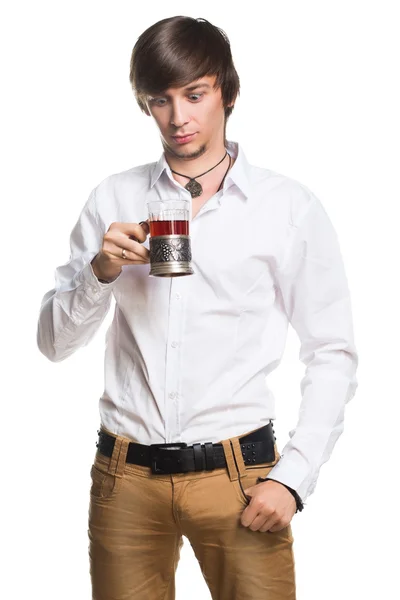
<point>183,139</point>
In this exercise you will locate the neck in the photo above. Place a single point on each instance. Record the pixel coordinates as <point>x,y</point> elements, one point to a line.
<point>193,165</point>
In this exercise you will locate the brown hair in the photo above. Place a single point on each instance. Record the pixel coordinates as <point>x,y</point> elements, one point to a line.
<point>178,50</point>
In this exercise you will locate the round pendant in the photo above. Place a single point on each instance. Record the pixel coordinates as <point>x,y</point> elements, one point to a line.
<point>194,188</point>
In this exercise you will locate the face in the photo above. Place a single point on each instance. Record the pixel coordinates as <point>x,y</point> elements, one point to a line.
<point>195,109</point>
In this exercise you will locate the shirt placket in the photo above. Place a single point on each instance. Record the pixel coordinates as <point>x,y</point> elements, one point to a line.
<point>173,382</point>
<point>173,387</point>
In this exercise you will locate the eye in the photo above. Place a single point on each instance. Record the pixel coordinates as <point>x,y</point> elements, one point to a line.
<point>195,97</point>
<point>157,101</point>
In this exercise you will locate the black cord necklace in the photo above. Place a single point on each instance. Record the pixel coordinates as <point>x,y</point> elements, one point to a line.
<point>226,172</point>
<point>193,186</point>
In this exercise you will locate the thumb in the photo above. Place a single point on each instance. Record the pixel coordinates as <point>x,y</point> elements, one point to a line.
<point>146,226</point>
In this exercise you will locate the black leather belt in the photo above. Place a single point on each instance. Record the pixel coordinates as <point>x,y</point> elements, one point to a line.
<point>177,457</point>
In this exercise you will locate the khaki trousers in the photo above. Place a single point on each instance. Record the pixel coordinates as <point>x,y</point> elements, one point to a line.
<point>137,520</point>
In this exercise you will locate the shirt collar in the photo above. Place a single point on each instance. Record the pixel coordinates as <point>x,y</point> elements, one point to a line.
<point>239,174</point>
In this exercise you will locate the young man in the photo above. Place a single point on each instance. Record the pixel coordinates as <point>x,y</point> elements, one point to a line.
<point>187,357</point>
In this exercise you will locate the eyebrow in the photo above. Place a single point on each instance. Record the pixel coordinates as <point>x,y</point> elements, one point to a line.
<point>194,87</point>
<point>187,89</point>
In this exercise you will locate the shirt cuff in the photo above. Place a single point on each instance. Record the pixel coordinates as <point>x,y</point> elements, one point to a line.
<point>93,288</point>
<point>292,474</point>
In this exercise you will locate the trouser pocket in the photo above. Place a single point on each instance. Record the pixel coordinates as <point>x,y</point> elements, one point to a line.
<point>251,478</point>
<point>103,483</point>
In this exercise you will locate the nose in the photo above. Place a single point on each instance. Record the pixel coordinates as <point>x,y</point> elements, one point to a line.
<point>178,118</point>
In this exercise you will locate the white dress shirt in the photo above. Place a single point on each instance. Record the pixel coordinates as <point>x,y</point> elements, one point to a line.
<point>186,358</point>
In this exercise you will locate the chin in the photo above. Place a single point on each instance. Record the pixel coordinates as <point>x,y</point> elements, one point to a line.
<point>188,153</point>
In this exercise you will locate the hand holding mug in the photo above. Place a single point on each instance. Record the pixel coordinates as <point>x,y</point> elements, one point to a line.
<point>122,245</point>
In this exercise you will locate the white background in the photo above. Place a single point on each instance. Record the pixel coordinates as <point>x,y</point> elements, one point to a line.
<point>319,103</point>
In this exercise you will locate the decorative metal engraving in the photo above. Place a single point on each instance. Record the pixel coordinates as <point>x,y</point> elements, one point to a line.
<point>170,248</point>
<point>194,188</point>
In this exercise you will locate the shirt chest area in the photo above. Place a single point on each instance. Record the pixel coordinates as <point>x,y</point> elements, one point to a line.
<point>235,250</point>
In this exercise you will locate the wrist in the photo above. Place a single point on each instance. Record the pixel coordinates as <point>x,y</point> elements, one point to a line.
<point>109,280</point>
<point>298,500</point>
<point>101,275</point>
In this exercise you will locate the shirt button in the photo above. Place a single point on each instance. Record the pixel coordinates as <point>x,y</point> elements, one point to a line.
<point>94,290</point>
<point>177,296</point>
<point>172,395</point>
<point>174,344</point>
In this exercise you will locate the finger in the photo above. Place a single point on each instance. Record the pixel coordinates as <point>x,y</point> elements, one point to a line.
<point>136,248</point>
<point>131,258</point>
<point>123,241</point>
<point>146,226</point>
<point>266,527</point>
<point>269,524</point>
<point>277,527</point>
<point>137,232</point>
<point>249,514</point>
<point>257,523</point>
<point>131,251</point>
<point>124,231</point>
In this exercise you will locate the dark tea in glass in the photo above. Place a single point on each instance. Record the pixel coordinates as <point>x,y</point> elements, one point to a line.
<point>169,227</point>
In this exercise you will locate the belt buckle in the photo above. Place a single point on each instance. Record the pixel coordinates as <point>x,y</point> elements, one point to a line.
<point>156,456</point>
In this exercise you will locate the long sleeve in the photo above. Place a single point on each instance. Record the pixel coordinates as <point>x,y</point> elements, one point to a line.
<point>73,311</point>
<point>316,298</point>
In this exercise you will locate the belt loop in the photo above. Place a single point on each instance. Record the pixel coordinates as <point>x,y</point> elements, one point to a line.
<point>117,461</point>
<point>237,451</point>
<point>230,461</point>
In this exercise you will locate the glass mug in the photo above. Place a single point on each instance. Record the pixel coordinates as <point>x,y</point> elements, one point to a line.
<point>170,249</point>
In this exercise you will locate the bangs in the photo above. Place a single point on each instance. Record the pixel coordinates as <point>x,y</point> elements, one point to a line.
<point>177,51</point>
